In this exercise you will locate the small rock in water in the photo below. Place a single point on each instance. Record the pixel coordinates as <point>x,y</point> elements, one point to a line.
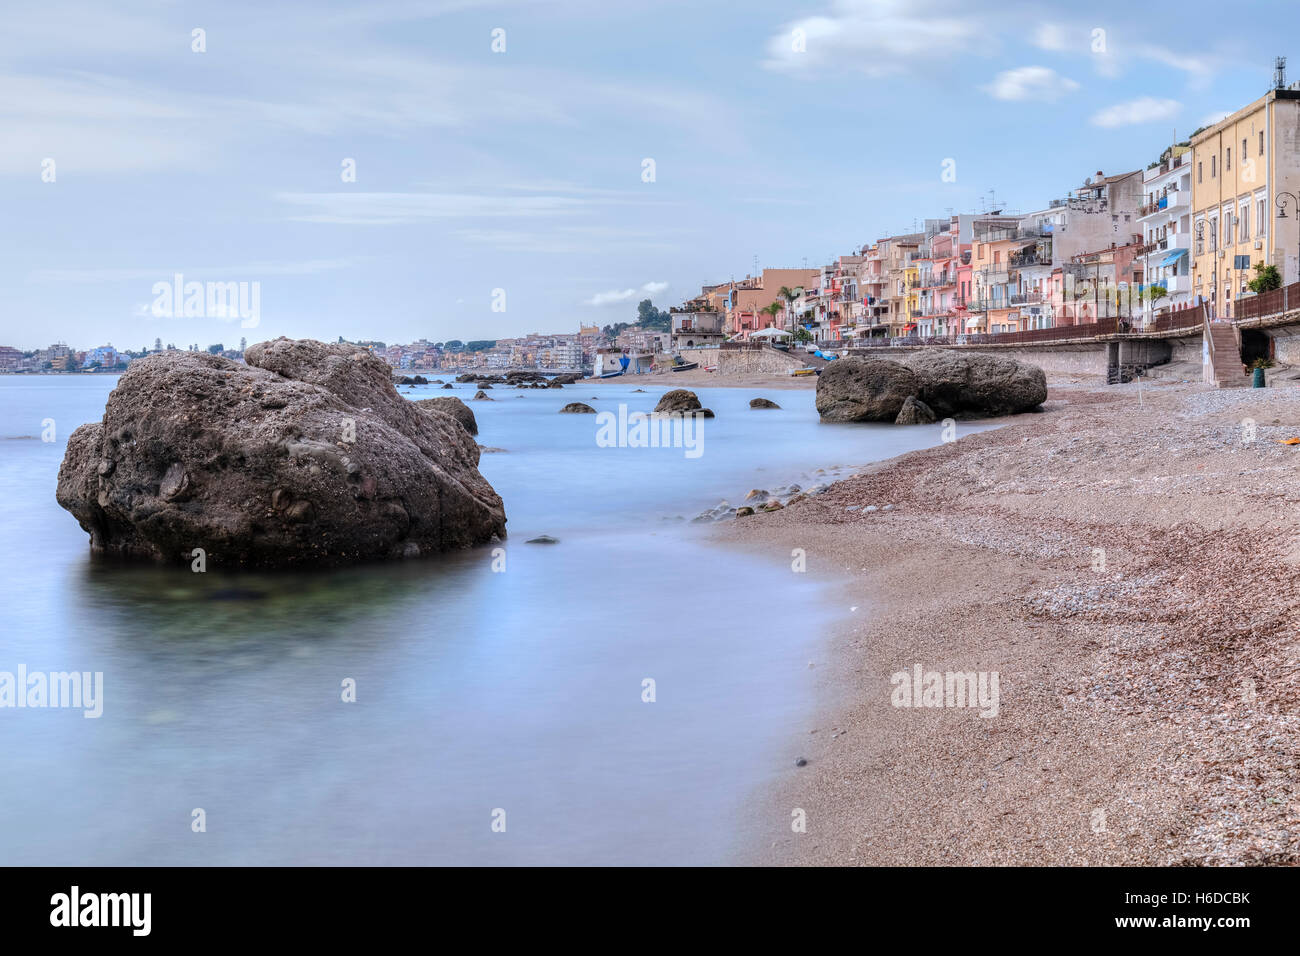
<point>543,539</point>
<point>757,493</point>
<point>801,762</point>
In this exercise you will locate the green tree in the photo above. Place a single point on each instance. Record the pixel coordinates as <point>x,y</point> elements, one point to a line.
<point>1267,278</point>
<point>648,317</point>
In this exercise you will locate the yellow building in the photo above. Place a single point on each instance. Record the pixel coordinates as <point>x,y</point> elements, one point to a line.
<point>912,283</point>
<point>1246,198</point>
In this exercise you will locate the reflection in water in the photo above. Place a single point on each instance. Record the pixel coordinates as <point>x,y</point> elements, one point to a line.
<point>476,690</point>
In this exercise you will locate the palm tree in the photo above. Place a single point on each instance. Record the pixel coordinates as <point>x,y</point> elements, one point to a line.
<point>788,295</point>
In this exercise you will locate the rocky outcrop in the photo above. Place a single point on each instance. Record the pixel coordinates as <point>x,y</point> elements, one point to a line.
<point>568,378</point>
<point>578,408</point>
<point>305,456</point>
<point>915,412</point>
<point>977,383</point>
<point>413,380</point>
<point>762,403</point>
<point>875,389</point>
<point>482,396</point>
<point>864,390</point>
<point>450,405</point>
<point>681,401</point>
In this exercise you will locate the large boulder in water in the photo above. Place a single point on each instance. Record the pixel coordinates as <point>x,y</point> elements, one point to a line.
<point>977,383</point>
<point>450,405</point>
<point>681,401</point>
<point>875,389</point>
<point>864,389</point>
<point>307,455</point>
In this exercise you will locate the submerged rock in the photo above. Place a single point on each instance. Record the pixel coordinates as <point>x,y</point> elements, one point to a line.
<point>481,396</point>
<point>762,403</point>
<point>307,455</point>
<point>578,408</point>
<point>543,539</point>
<point>450,405</point>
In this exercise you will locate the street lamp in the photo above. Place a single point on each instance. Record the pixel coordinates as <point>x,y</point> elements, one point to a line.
<point>1284,199</point>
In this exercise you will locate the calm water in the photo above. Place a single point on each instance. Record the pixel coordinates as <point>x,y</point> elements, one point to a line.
<point>476,690</point>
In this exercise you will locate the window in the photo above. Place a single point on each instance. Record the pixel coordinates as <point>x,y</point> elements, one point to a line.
<point>1214,234</point>
<point>1262,219</point>
<point>1212,159</point>
<point>1243,148</point>
<point>1228,165</point>
<point>1245,222</point>
<point>1261,142</point>
<point>1198,173</point>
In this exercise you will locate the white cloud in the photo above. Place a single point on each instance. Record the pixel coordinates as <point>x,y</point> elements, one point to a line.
<point>1145,109</point>
<point>1051,36</point>
<point>1030,83</point>
<point>875,36</point>
<point>1217,116</point>
<point>622,295</point>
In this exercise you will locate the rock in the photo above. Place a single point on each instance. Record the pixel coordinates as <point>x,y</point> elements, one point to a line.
<point>864,389</point>
<point>976,383</point>
<point>488,449</point>
<point>915,412</point>
<point>801,762</point>
<point>773,506</point>
<point>744,512</point>
<point>543,539</point>
<point>568,378</point>
<point>416,380</point>
<point>578,408</point>
<point>306,456</point>
<point>481,396</point>
<point>466,377</point>
<point>449,385</point>
<point>555,384</point>
<point>678,400</point>
<point>762,403</point>
<point>875,389</point>
<point>518,377</point>
<point>450,405</point>
<point>757,493</point>
<point>485,386</point>
<point>641,390</point>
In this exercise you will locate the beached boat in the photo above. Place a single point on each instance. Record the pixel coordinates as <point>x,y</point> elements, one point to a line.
<point>803,371</point>
<point>685,366</point>
<point>614,374</point>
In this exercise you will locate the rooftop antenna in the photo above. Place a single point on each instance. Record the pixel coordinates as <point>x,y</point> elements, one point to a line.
<point>1279,73</point>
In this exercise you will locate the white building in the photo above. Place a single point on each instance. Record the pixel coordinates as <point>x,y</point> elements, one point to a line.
<point>1166,219</point>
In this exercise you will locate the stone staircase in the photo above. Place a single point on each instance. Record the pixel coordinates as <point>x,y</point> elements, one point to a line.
<point>1225,356</point>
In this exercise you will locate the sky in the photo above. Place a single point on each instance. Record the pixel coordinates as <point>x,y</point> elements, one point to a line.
<point>469,169</point>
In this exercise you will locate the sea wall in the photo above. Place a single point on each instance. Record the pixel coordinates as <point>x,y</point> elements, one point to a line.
<point>746,360</point>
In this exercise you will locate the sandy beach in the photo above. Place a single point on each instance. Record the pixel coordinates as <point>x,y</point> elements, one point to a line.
<point>1125,562</point>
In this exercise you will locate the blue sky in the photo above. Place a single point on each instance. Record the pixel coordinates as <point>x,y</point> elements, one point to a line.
<point>779,132</point>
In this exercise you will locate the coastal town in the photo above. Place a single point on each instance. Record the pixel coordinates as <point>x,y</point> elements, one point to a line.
<point>1210,222</point>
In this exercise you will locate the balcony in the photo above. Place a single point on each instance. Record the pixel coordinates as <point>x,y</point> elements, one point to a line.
<point>994,277</point>
<point>1026,298</point>
<point>1030,257</point>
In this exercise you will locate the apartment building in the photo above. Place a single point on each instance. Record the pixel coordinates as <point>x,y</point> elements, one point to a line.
<point>1166,220</point>
<point>1245,184</point>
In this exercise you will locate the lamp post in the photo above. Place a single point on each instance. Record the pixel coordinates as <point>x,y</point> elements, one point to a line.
<point>1282,200</point>
<point>1214,267</point>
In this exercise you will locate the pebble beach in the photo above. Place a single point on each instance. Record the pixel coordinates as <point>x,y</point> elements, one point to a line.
<point>1125,562</point>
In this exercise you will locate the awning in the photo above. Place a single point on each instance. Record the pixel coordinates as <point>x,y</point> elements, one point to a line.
<point>1173,257</point>
<point>972,323</point>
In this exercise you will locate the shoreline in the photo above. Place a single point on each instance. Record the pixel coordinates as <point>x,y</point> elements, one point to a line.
<point>1146,709</point>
